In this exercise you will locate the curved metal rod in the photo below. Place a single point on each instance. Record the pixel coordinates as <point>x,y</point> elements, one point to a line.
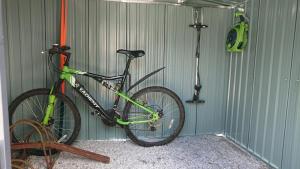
<point>42,131</point>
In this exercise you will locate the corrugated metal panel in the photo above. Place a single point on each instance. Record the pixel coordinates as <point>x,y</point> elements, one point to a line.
<point>291,151</point>
<point>96,29</point>
<point>179,60</point>
<point>155,29</point>
<point>163,33</point>
<point>241,84</point>
<point>214,64</point>
<point>258,94</point>
<point>271,80</point>
<point>30,27</point>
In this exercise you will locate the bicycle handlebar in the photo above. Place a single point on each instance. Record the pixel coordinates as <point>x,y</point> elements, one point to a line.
<point>57,49</point>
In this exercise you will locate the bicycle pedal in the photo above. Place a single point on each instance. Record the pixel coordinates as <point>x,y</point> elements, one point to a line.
<point>50,121</point>
<point>152,128</point>
<point>110,121</point>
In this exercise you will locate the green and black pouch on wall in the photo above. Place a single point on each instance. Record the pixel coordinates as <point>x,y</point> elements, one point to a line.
<point>237,37</point>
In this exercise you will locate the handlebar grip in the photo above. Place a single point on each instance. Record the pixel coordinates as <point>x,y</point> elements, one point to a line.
<point>67,59</point>
<point>53,51</point>
<point>68,54</point>
<point>60,50</point>
<point>65,48</point>
<point>56,49</point>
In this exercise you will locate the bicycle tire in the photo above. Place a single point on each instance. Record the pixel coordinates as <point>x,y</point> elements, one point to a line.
<point>44,91</point>
<point>131,133</point>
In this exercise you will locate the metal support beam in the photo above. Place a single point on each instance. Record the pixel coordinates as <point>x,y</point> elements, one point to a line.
<point>193,3</point>
<point>5,161</point>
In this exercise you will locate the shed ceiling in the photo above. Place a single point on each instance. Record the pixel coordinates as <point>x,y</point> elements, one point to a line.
<point>193,3</point>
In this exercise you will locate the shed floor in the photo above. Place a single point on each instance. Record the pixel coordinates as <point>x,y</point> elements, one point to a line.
<point>201,152</point>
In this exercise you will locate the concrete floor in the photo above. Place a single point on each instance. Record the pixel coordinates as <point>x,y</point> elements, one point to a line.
<point>201,152</point>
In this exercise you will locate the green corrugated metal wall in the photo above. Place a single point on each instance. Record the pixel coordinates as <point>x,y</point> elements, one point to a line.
<point>96,29</point>
<point>30,26</point>
<point>292,135</point>
<point>262,111</point>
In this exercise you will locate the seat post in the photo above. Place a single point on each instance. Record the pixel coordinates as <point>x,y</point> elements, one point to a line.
<point>127,65</point>
<point>125,73</point>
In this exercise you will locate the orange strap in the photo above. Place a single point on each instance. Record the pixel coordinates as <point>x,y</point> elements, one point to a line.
<point>63,34</point>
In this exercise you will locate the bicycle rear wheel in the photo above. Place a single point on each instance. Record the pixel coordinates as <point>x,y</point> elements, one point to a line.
<point>163,131</point>
<point>65,123</point>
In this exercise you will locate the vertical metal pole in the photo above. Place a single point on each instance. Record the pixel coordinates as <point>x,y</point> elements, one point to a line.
<point>63,35</point>
<point>5,161</point>
<point>63,41</point>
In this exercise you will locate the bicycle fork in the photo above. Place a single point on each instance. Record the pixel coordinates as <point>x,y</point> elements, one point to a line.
<point>50,108</point>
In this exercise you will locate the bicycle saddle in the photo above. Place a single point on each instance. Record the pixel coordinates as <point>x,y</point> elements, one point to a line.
<point>133,53</point>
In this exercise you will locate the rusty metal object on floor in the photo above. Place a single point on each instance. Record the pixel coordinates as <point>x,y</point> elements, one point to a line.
<point>45,135</point>
<point>46,142</point>
<point>62,147</point>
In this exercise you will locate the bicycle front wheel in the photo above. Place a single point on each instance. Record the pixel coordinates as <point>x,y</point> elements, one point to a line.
<point>164,130</point>
<point>64,125</point>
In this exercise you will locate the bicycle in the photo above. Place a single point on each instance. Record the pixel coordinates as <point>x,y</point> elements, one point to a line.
<point>153,116</point>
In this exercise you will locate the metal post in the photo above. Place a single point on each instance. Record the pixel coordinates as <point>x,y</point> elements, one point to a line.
<point>5,161</point>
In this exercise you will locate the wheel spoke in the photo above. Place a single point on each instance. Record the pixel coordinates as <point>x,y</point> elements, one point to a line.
<point>31,110</point>
<point>40,106</point>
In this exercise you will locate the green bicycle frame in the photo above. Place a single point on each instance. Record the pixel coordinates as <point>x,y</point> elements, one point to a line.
<point>67,74</point>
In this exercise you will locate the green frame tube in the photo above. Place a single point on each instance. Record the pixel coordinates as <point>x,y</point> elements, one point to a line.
<point>67,75</point>
<point>154,114</point>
